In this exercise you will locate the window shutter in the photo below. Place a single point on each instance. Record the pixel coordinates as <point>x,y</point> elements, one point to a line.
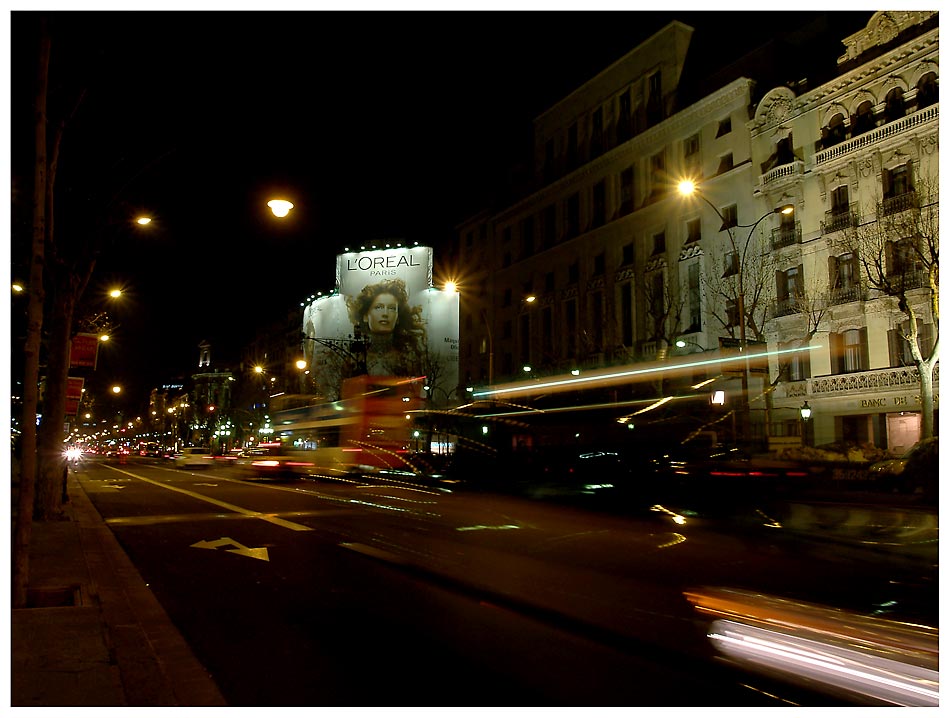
<point>865,361</point>
<point>834,278</point>
<point>925,338</point>
<point>834,340</point>
<point>894,349</point>
<point>781,285</point>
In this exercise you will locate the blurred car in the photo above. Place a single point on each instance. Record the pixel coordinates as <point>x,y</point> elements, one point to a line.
<point>193,456</point>
<point>269,462</point>
<point>915,471</point>
<point>151,450</point>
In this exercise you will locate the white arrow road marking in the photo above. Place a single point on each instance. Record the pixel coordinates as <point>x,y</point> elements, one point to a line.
<point>113,486</point>
<point>241,550</point>
<point>270,518</point>
<point>202,483</point>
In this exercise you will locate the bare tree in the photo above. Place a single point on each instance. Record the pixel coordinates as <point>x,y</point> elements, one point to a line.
<point>809,306</point>
<point>751,291</point>
<point>664,310</point>
<point>898,252</point>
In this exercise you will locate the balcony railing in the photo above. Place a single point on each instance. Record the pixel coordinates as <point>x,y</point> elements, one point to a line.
<point>899,203</point>
<point>891,129</point>
<point>838,219</point>
<point>844,295</point>
<point>791,169</point>
<point>786,307</point>
<point>912,279</point>
<point>873,380</point>
<point>785,236</point>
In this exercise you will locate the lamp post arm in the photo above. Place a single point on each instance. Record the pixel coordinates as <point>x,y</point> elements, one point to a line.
<point>752,229</point>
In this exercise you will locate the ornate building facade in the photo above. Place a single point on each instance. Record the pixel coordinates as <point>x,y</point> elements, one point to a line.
<point>603,263</point>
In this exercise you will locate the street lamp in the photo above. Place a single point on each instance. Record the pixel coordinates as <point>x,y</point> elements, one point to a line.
<point>805,411</point>
<point>280,207</point>
<point>687,188</point>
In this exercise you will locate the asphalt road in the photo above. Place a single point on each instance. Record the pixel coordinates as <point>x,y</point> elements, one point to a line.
<point>395,594</point>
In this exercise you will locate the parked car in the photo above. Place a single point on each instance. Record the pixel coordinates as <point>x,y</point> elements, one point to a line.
<point>193,456</point>
<point>911,472</point>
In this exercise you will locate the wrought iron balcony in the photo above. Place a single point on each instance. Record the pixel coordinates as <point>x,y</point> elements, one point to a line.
<point>911,279</point>
<point>787,235</point>
<point>838,219</point>
<point>786,307</point>
<point>899,203</point>
<point>844,295</point>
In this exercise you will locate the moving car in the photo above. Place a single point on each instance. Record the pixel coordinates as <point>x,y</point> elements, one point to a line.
<point>270,461</point>
<point>193,456</point>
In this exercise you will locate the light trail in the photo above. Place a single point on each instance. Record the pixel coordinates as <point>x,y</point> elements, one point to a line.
<point>606,377</point>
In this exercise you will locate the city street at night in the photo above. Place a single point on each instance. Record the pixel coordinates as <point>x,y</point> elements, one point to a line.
<point>391,591</point>
<point>511,357</point>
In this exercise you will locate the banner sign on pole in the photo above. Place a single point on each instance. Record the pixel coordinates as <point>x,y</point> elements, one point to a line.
<point>83,350</point>
<point>73,394</point>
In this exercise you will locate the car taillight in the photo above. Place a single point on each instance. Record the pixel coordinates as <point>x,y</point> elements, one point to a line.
<point>265,462</point>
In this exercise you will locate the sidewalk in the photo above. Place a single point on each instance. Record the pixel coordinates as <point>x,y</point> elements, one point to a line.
<point>97,636</point>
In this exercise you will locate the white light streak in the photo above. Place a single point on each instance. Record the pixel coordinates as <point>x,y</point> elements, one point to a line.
<point>565,382</point>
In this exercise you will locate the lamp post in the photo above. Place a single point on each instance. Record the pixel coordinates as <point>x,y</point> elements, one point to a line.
<point>805,412</point>
<point>687,188</point>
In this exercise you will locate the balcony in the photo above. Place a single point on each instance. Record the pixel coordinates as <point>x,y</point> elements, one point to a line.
<point>892,378</point>
<point>844,295</point>
<point>837,219</point>
<point>792,169</point>
<point>911,279</point>
<point>884,132</point>
<point>786,236</point>
<point>899,203</point>
<point>786,307</point>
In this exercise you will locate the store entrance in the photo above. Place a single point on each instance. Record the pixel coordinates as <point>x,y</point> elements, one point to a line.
<point>903,430</point>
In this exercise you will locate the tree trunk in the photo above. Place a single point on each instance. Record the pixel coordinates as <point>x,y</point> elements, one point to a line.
<point>31,350</point>
<point>50,435</point>
<point>925,369</point>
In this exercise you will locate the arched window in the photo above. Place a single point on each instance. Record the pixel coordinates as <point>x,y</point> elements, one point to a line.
<point>927,90</point>
<point>835,131</point>
<point>894,105</point>
<point>863,120</point>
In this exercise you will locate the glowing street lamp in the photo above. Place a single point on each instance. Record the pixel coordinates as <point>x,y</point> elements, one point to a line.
<point>280,207</point>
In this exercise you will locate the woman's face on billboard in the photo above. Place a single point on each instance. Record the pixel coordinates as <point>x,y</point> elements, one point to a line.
<point>382,314</point>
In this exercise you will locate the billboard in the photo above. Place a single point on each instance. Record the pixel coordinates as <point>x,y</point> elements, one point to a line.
<point>384,319</point>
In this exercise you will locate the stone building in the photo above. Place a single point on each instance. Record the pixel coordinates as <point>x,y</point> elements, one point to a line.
<point>602,263</point>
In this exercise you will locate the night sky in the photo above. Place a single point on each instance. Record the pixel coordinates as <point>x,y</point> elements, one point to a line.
<point>376,124</point>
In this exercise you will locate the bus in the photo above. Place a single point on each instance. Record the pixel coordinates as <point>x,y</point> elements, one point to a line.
<point>369,428</point>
